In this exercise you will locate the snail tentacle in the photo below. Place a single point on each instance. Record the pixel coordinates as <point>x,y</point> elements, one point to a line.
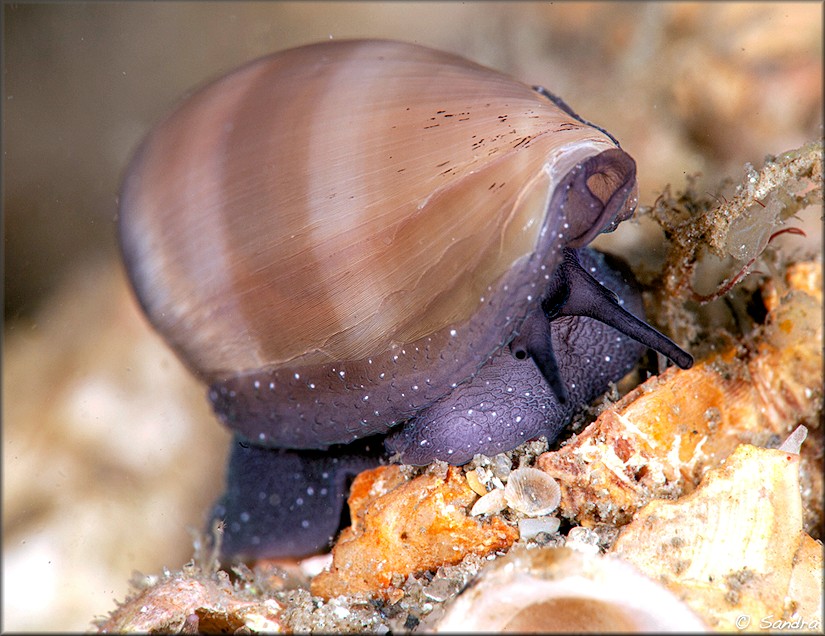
<point>583,295</point>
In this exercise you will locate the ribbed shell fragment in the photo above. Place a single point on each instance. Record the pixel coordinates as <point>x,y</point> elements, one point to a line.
<point>532,492</point>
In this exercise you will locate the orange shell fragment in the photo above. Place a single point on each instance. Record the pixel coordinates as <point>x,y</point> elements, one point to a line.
<point>408,527</point>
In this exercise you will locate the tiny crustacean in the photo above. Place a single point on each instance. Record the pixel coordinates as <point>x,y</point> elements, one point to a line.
<point>361,238</point>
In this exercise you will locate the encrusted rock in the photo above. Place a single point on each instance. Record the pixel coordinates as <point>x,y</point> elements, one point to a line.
<point>660,439</point>
<point>734,549</point>
<point>418,525</point>
<point>194,602</point>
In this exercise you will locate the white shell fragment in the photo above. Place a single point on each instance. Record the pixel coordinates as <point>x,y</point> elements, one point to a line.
<point>562,590</point>
<point>531,528</point>
<point>794,442</point>
<point>532,492</point>
<point>490,503</point>
<point>583,539</point>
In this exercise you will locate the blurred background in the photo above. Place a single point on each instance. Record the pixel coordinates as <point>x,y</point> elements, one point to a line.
<point>109,450</point>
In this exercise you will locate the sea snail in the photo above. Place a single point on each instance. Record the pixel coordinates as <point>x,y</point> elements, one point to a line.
<point>361,238</point>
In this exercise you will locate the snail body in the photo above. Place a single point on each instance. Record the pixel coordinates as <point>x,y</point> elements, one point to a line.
<point>357,236</point>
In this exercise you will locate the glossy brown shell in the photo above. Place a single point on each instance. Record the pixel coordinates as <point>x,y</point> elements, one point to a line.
<point>338,201</point>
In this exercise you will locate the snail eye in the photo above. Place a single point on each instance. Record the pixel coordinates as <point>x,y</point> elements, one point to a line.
<point>534,342</point>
